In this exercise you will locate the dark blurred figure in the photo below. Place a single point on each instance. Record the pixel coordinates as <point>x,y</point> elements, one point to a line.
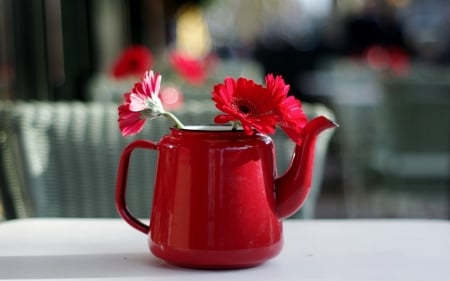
<point>292,62</point>
<point>375,24</point>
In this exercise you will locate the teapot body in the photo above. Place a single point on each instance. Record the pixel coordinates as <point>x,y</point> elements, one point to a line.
<point>214,202</point>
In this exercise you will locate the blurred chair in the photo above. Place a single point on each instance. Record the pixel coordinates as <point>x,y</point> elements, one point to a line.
<point>353,90</point>
<point>59,159</point>
<point>412,150</point>
<point>413,123</point>
<point>394,139</point>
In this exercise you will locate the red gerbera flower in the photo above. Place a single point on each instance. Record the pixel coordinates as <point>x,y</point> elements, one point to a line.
<point>134,60</point>
<point>140,103</point>
<point>250,104</point>
<point>260,108</point>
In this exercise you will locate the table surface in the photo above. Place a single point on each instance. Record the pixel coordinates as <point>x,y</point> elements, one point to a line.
<point>108,249</point>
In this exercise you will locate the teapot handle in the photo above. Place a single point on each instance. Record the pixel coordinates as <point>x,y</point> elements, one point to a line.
<point>121,183</point>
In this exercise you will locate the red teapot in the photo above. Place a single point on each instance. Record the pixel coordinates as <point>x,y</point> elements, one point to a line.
<point>218,201</point>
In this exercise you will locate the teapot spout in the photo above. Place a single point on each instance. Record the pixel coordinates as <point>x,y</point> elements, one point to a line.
<point>293,187</point>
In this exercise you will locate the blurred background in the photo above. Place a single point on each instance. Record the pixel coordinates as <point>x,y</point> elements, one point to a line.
<point>381,66</point>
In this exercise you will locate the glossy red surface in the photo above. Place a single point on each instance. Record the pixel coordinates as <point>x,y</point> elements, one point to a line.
<point>293,187</point>
<point>215,198</point>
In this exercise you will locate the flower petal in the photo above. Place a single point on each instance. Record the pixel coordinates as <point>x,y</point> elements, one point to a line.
<point>130,123</point>
<point>292,119</point>
<point>223,118</point>
<point>276,87</point>
<point>151,83</point>
<point>140,103</point>
<point>137,102</point>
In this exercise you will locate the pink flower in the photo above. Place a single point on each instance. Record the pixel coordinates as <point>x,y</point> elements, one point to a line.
<point>145,94</point>
<point>140,103</point>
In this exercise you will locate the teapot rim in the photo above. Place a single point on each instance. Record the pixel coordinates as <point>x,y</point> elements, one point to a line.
<point>209,128</point>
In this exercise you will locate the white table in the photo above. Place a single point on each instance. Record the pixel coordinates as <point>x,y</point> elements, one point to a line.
<point>108,249</point>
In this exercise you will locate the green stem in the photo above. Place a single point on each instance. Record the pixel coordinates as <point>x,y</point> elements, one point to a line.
<point>177,123</point>
<point>235,125</point>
